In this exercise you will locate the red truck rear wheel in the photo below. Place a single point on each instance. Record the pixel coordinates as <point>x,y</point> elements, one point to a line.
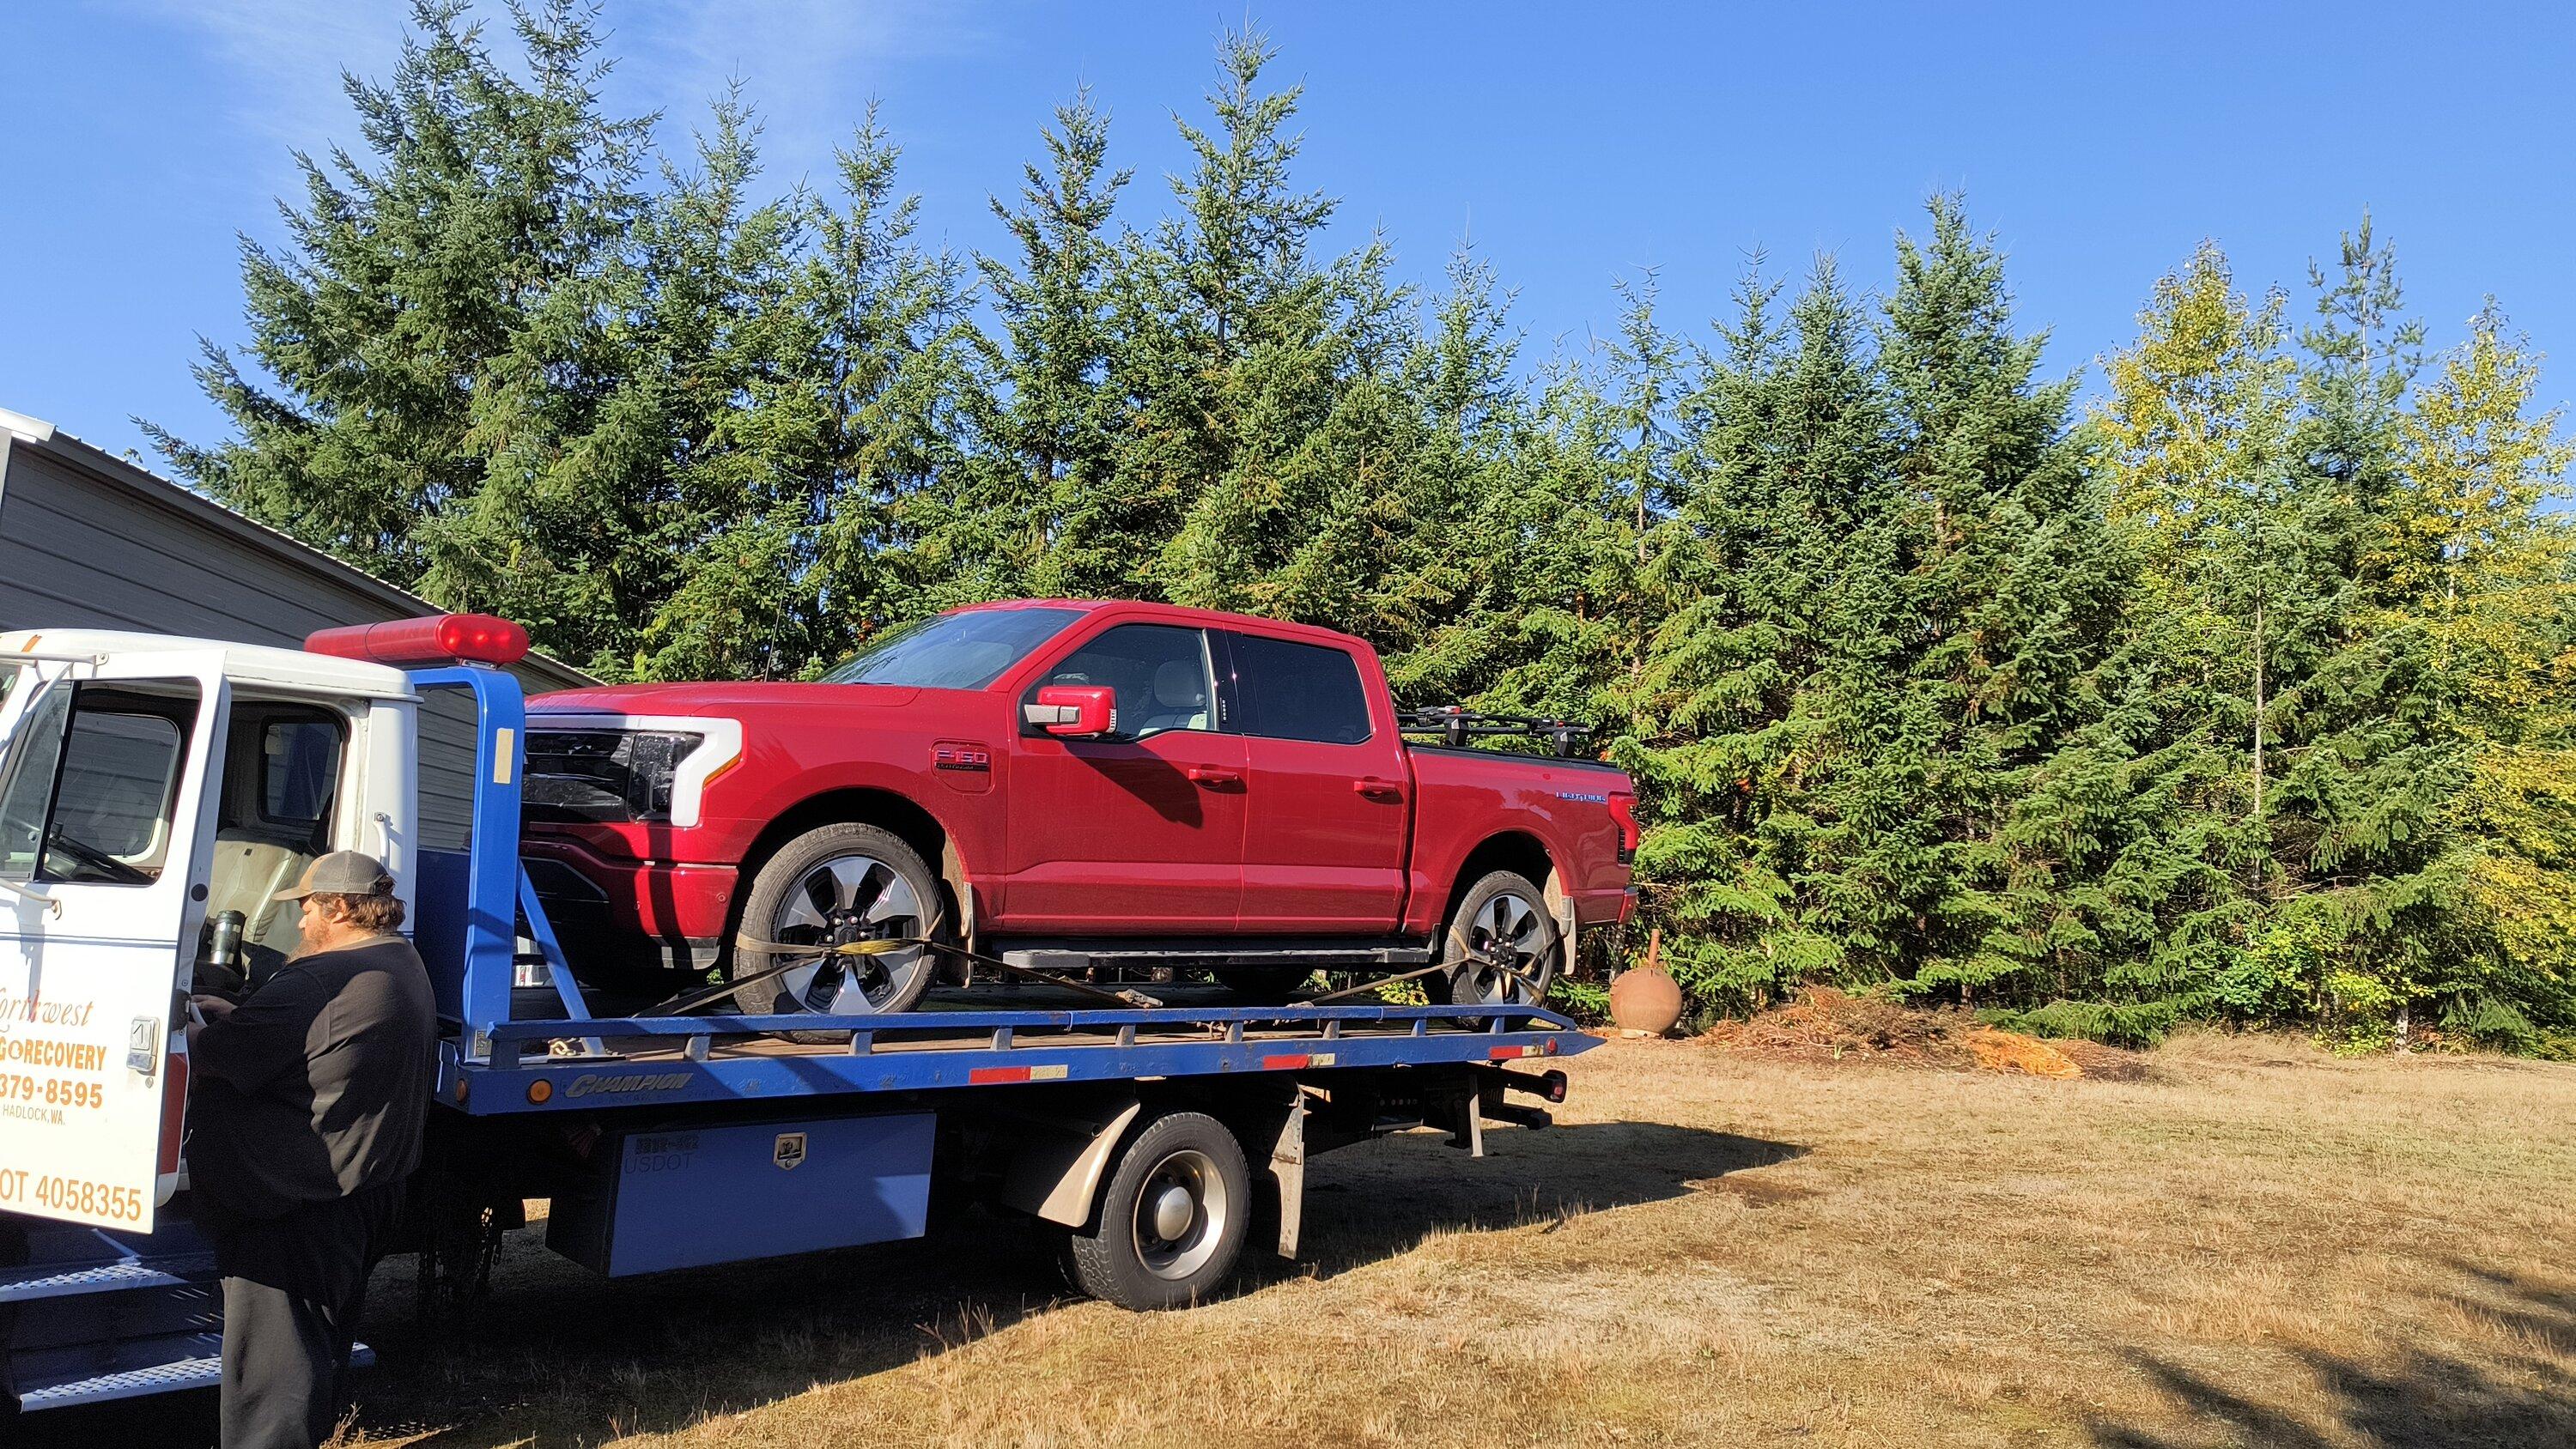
<point>1502,947</point>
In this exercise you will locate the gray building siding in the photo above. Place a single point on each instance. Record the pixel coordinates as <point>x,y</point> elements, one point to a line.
<point>90,541</point>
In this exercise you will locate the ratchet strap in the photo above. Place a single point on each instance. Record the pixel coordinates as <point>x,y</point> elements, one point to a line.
<point>801,955</point>
<point>797,955</point>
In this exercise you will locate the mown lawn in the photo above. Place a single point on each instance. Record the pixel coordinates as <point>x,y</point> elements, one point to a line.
<point>2244,1243</point>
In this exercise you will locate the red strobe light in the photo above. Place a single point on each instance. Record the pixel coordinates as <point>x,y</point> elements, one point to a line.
<point>438,639</point>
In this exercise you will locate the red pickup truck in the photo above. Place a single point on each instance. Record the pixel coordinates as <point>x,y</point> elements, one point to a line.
<point>1076,785</point>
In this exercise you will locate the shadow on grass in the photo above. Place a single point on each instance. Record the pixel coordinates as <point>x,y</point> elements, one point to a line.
<point>1372,1202</point>
<point>560,1357</point>
<point>2414,1396</point>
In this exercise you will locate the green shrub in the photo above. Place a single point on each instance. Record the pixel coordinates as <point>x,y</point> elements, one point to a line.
<point>2122,1024</point>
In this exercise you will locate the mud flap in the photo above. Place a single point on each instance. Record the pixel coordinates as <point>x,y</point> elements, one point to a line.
<point>1460,1117</point>
<point>1288,1175</point>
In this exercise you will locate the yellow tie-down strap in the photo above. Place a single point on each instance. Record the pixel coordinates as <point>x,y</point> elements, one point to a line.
<point>885,947</point>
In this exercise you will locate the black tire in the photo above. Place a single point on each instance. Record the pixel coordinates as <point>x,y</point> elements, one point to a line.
<point>1147,1248</point>
<point>1263,985</point>
<point>880,887</point>
<point>1502,916</point>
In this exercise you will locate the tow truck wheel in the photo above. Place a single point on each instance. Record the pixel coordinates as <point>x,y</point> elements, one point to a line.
<point>839,885</point>
<point>1502,947</point>
<point>1171,1221</point>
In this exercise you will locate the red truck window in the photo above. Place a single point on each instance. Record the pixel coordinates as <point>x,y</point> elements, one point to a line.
<point>1159,672</point>
<point>1293,691</point>
<point>965,650</point>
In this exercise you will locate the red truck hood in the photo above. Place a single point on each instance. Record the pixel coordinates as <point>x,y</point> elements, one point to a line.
<point>720,699</point>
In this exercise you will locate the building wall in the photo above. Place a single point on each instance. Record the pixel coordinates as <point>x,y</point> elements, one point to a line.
<point>88,541</point>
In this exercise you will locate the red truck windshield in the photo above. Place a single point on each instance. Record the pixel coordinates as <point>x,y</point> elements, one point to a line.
<point>953,651</point>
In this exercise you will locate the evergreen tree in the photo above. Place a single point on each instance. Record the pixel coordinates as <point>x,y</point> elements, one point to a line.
<point>2480,571</point>
<point>1447,576</point>
<point>1974,598</point>
<point>431,325</point>
<point>1053,419</point>
<point>897,365</point>
<point>2250,698</point>
<point>1238,348</point>
<point>1789,434</point>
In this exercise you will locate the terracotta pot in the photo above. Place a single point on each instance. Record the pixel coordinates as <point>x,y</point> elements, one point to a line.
<point>1645,1001</point>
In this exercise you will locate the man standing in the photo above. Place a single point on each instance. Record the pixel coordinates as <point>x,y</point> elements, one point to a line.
<point>305,1119</point>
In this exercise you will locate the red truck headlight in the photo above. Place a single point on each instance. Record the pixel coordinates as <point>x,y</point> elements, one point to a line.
<point>624,769</point>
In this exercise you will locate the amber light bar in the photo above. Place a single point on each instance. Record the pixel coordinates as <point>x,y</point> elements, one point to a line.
<point>438,639</point>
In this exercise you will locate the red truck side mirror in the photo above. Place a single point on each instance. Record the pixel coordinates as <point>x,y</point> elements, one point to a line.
<point>1073,711</point>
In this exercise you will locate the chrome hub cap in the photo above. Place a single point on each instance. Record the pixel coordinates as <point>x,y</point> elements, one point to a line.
<point>1181,1215</point>
<point>846,899</point>
<point>1172,1213</point>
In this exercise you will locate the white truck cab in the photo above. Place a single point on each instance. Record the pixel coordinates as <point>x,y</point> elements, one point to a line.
<point>152,789</point>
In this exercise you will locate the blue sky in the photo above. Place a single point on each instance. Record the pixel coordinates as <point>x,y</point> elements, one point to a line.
<point>1573,143</point>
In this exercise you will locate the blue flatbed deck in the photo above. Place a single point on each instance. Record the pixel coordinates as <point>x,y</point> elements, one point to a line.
<point>738,1058</point>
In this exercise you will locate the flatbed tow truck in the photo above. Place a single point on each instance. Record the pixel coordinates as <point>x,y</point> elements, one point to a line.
<point>153,791</point>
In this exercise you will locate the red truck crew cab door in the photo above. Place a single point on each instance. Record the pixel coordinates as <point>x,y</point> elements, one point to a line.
<point>1140,833</point>
<point>1331,797</point>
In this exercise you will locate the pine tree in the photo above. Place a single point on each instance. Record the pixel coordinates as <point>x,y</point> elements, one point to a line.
<point>1787,428</point>
<point>1238,347</point>
<point>1053,420</point>
<point>2485,578</point>
<point>430,326</point>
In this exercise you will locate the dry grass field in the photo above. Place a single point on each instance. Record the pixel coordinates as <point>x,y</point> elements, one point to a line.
<point>2228,1242</point>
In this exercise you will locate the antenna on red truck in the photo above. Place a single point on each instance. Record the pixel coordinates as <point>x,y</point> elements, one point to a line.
<point>1455,724</point>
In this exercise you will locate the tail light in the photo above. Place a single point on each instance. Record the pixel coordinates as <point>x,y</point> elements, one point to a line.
<point>1623,809</point>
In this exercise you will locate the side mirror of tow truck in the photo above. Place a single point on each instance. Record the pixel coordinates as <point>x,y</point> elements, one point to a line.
<point>1073,711</point>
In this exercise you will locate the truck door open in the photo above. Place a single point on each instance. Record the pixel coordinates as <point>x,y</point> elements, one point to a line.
<point>105,811</point>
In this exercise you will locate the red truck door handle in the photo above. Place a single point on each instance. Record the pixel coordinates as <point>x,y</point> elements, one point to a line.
<point>1377,789</point>
<point>1214,776</point>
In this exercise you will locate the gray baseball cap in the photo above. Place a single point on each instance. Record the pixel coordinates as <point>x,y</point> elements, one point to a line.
<point>342,873</point>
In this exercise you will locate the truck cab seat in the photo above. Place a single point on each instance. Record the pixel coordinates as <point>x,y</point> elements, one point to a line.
<point>246,871</point>
<point>1180,697</point>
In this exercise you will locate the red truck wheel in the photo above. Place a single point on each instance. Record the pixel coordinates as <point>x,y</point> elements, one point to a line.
<point>840,882</point>
<point>1502,947</point>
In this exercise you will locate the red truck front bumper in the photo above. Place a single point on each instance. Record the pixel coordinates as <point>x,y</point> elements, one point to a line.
<point>601,904</point>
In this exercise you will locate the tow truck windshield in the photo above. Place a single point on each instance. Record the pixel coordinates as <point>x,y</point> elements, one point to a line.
<point>965,650</point>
